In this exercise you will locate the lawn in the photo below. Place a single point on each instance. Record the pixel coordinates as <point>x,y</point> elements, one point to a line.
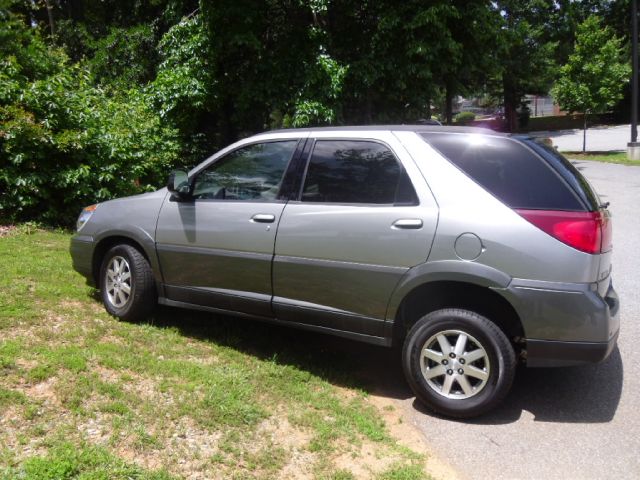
<point>608,157</point>
<point>185,395</point>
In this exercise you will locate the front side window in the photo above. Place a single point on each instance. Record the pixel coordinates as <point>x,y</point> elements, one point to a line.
<point>252,173</point>
<point>350,171</point>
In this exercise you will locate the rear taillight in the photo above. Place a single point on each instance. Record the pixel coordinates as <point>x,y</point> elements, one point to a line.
<point>588,232</point>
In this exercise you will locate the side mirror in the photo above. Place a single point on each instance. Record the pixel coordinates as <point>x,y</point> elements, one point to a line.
<point>178,184</point>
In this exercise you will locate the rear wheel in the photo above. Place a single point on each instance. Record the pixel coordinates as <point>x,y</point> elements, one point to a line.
<point>458,363</point>
<point>127,284</point>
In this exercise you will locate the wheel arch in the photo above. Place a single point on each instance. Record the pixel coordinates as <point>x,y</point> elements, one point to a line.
<point>108,241</point>
<point>434,295</point>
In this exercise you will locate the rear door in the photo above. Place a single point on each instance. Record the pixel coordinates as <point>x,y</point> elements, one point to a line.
<point>362,217</point>
<point>216,249</point>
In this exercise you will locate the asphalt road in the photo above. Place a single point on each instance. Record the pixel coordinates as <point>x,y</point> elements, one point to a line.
<point>567,423</point>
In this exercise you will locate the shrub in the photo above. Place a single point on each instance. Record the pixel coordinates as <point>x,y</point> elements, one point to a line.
<point>465,118</point>
<point>65,143</point>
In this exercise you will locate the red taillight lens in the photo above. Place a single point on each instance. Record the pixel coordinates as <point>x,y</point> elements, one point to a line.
<point>588,232</point>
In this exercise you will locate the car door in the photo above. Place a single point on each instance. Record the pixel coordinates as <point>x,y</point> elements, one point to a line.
<point>363,217</point>
<point>216,248</point>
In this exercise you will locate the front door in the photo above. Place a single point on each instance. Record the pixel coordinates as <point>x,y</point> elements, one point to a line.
<point>216,249</point>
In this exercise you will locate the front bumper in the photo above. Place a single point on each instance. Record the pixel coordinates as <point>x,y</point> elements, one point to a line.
<point>81,250</point>
<point>566,324</point>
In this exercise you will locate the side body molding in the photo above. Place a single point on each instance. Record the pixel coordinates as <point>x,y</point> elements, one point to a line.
<point>445,270</point>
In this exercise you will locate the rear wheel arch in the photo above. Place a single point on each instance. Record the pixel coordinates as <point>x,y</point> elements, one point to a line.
<point>436,295</point>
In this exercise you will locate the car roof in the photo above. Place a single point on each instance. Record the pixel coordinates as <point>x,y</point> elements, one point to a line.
<point>410,128</point>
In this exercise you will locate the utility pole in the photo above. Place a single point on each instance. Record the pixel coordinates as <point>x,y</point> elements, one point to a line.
<point>633,147</point>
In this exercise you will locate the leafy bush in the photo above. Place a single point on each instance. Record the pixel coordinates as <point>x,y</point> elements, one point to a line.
<point>65,143</point>
<point>465,118</point>
<point>126,56</point>
<point>184,90</point>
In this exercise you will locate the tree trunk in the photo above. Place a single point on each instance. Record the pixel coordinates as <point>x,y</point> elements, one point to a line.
<point>510,104</point>
<point>448,104</point>
<point>584,134</point>
<point>368,108</point>
<point>50,14</point>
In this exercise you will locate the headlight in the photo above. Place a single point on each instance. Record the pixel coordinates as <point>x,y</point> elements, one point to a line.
<point>85,215</point>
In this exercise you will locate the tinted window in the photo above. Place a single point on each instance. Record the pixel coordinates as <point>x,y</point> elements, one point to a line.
<point>508,170</point>
<point>347,171</point>
<point>565,168</point>
<point>250,173</point>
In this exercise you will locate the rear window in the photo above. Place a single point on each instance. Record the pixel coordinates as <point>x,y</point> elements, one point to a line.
<point>508,170</point>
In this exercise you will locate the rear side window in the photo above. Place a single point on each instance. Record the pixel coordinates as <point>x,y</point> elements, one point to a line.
<point>508,170</point>
<point>565,168</point>
<point>351,171</point>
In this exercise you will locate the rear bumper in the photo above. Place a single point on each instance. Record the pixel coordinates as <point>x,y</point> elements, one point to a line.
<point>566,324</point>
<point>81,250</point>
<point>549,353</point>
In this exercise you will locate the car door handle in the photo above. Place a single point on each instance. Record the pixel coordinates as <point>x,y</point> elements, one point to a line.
<point>407,224</point>
<point>263,218</point>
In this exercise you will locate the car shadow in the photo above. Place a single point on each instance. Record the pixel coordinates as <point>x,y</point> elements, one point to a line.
<point>588,394</point>
<point>340,361</point>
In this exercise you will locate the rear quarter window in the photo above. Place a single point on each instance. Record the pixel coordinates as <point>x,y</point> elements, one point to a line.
<point>508,170</point>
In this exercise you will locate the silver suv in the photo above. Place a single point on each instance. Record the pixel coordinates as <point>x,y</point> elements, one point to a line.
<point>469,248</point>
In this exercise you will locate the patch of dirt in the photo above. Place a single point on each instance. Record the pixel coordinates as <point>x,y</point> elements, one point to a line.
<point>280,432</point>
<point>44,391</point>
<point>14,432</point>
<point>364,461</point>
<point>409,435</point>
<point>187,451</point>
<point>6,230</point>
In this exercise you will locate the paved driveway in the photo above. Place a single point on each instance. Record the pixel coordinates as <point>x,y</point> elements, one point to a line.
<point>571,423</point>
<point>599,139</point>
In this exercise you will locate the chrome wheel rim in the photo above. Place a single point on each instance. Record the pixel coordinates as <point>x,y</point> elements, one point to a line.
<point>118,281</point>
<point>455,364</point>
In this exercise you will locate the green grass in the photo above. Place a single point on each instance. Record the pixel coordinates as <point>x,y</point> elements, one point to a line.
<point>68,461</point>
<point>607,157</point>
<point>83,395</point>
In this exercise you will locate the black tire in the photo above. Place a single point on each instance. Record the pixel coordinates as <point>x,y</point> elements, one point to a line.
<point>142,298</point>
<point>498,363</point>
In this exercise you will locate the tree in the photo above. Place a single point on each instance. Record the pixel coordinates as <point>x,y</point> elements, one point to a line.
<point>593,78</point>
<point>525,47</point>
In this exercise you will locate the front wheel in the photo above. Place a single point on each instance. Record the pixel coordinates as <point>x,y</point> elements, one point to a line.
<point>127,284</point>
<point>458,363</point>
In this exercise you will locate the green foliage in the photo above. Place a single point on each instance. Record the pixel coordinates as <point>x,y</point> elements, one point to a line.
<point>318,103</point>
<point>465,117</point>
<point>183,83</point>
<point>65,143</point>
<point>593,78</point>
<point>525,46</point>
<point>122,91</point>
<point>126,55</point>
<point>184,89</point>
